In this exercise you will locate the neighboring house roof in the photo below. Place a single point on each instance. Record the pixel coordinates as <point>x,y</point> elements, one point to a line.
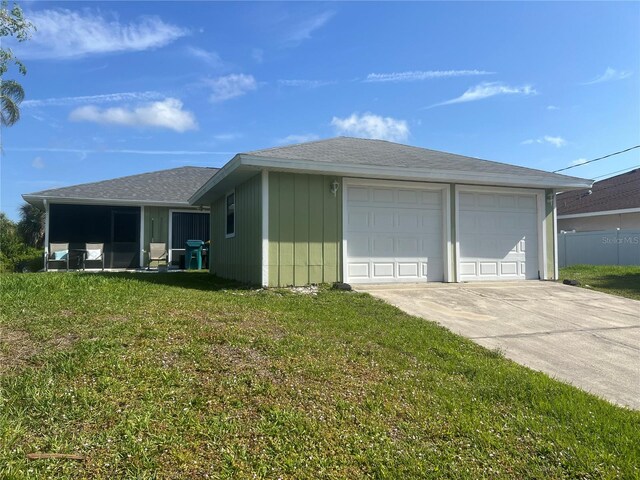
<point>347,156</point>
<point>621,192</point>
<point>164,187</point>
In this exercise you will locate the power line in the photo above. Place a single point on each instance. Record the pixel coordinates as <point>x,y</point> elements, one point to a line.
<point>596,159</point>
<point>628,169</point>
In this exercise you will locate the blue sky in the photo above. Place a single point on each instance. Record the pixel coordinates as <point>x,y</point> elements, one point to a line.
<point>120,88</point>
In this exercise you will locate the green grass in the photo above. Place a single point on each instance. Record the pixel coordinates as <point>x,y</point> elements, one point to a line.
<point>185,376</point>
<point>617,280</point>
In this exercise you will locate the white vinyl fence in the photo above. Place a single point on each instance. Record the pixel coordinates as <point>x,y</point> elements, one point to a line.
<point>607,247</point>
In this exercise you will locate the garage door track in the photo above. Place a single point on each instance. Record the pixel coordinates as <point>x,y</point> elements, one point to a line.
<point>586,338</point>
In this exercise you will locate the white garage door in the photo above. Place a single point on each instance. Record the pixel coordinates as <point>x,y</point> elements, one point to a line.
<point>498,236</point>
<point>393,234</point>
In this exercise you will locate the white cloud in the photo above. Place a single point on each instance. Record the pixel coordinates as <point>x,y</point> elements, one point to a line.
<point>163,114</point>
<point>303,30</point>
<point>231,86</point>
<point>555,141</point>
<point>211,58</point>
<point>289,139</point>
<point>105,98</point>
<point>487,90</point>
<point>609,75</point>
<point>580,161</point>
<point>226,137</point>
<point>38,163</point>
<point>305,83</point>
<point>418,75</point>
<point>64,33</point>
<point>552,107</point>
<point>369,125</point>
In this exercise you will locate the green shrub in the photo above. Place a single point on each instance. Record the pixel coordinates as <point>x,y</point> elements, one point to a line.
<point>15,256</point>
<point>29,260</point>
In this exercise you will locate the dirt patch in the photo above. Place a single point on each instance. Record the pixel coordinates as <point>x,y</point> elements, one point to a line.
<point>244,359</point>
<point>17,347</point>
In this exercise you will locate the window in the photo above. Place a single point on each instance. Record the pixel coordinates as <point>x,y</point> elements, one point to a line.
<point>231,215</point>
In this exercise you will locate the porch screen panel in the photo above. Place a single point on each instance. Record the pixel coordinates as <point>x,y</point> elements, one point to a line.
<point>188,226</point>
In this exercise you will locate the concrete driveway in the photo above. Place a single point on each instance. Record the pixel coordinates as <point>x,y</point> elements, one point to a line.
<point>586,338</point>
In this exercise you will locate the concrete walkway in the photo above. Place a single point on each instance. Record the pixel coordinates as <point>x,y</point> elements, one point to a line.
<point>586,338</point>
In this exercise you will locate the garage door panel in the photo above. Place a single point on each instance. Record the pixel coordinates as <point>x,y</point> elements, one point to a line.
<point>509,268</point>
<point>383,269</point>
<point>382,219</point>
<point>507,201</point>
<point>408,269</point>
<point>382,246</point>
<point>409,220</point>
<point>402,238</point>
<point>359,245</point>
<point>498,236</point>
<point>358,194</point>
<point>528,203</point>
<point>409,196</point>
<point>382,195</point>
<point>407,247</point>
<point>431,198</point>
<point>358,270</point>
<point>358,218</point>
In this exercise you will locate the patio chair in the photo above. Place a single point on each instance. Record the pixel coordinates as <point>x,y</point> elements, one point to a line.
<point>94,252</point>
<point>58,253</point>
<point>158,253</point>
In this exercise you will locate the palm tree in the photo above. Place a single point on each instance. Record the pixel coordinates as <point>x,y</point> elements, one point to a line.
<point>31,225</point>
<point>11,95</point>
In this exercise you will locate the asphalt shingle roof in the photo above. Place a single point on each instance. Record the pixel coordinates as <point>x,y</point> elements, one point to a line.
<point>615,193</point>
<point>359,151</point>
<point>175,185</point>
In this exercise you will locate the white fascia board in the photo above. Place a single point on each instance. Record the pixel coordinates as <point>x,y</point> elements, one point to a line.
<point>600,214</point>
<point>220,175</point>
<point>405,173</point>
<point>103,201</point>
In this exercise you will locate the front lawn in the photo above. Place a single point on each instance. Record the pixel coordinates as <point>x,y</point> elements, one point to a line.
<point>185,376</point>
<point>617,280</point>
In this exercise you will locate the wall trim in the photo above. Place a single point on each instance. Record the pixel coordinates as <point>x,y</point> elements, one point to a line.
<point>142,245</point>
<point>556,274</point>
<point>46,228</point>
<point>446,240</point>
<point>542,236</point>
<point>265,228</point>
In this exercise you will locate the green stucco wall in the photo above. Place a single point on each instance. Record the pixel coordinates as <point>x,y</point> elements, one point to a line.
<point>550,229</point>
<point>305,229</point>
<point>239,257</point>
